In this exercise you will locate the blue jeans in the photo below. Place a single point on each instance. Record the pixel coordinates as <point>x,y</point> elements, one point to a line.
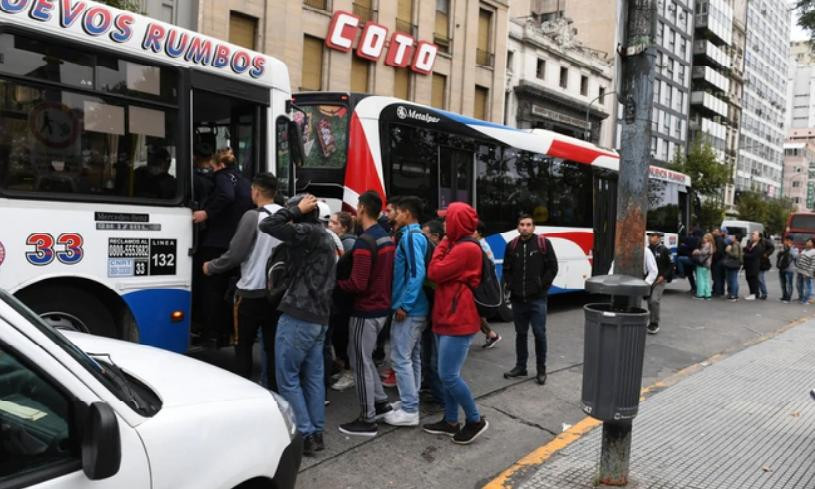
<point>452,353</point>
<point>406,357</point>
<point>430,365</point>
<point>804,284</point>
<point>524,314</point>
<point>299,369</point>
<point>733,283</point>
<point>762,284</point>
<point>786,284</point>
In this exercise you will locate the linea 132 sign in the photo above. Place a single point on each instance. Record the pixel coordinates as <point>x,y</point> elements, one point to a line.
<point>403,50</point>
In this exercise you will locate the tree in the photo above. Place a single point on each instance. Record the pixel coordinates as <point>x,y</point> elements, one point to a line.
<point>711,214</point>
<point>131,5</point>
<point>777,212</point>
<point>806,15</point>
<point>752,206</point>
<point>708,175</point>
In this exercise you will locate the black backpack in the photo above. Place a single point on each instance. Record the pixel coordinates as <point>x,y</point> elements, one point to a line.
<point>784,260</point>
<point>278,276</point>
<point>488,295</point>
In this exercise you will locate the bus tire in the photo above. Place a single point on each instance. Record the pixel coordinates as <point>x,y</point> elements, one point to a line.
<point>72,309</point>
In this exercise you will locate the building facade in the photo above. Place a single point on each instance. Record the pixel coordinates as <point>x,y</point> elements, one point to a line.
<point>183,13</point>
<point>764,101</point>
<point>799,164</point>
<point>801,87</point>
<point>467,75</point>
<point>554,83</point>
<point>734,96</point>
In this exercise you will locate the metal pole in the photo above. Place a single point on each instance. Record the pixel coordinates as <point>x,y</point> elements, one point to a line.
<point>637,94</point>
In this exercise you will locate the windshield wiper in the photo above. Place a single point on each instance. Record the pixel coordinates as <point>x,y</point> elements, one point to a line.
<point>114,373</point>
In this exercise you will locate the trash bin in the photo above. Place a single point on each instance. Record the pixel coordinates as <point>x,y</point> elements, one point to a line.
<point>614,347</point>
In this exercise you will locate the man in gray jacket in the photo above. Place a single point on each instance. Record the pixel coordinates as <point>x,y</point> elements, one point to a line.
<point>306,306</point>
<point>251,249</point>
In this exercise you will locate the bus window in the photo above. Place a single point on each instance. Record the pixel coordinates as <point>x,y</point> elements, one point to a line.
<point>48,61</point>
<point>664,213</point>
<point>455,176</point>
<point>325,135</point>
<point>283,160</point>
<point>414,164</point>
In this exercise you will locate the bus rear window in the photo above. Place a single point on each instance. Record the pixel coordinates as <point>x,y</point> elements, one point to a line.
<point>325,135</point>
<point>803,221</point>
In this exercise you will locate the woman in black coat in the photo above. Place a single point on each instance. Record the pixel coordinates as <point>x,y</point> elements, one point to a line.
<point>752,263</point>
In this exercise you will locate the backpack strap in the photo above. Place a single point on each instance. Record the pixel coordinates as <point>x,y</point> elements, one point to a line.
<point>541,243</point>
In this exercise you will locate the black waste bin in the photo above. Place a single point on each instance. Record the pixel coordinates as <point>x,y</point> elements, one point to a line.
<point>614,347</point>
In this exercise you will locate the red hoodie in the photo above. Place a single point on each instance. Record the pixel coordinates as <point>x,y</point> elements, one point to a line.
<point>455,268</point>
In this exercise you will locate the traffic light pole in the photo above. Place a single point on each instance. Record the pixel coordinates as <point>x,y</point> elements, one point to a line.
<point>637,94</point>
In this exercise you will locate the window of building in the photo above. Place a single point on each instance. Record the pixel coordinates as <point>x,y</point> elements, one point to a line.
<point>360,74</point>
<point>243,30</point>
<point>439,91</point>
<point>441,34</point>
<point>364,9</point>
<point>401,83</point>
<point>404,17</point>
<point>318,4</point>
<point>564,77</point>
<point>510,61</point>
<point>483,53</point>
<point>480,102</point>
<point>312,73</point>
<point>584,85</point>
<point>540,69</point>
<point>602,94</point>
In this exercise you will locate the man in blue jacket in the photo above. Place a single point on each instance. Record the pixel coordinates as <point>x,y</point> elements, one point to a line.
<point>410,309</point>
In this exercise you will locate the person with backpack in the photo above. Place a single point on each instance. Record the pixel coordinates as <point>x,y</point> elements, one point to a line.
<point>664,275</point>
<point>765,265</point>
<point>410,308</point>
<point>250,250</point>
<point>530,267</point>
<point>753,254</point>
<point>804,266</point>
<point>456,269</point>
<point>491,337</point>
<point>370,283</point>
<point>785,262</point>
<point>308,280</point>
<point>732,264</point>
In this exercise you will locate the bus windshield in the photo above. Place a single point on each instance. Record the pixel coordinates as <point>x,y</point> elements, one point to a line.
<point>802,221</point>
<point>666,206</point>
<point>325,135</point>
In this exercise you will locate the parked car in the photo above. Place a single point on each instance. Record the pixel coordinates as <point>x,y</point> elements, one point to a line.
<point>82,411</point>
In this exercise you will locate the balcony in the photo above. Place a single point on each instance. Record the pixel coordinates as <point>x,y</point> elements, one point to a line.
<point>711,77</point>
<point>318,4</point>
<point>719,26</point>
<point>364,13</point>
<point>718,56</point>
<point>443,42</point>
<point>484,58</point>
<point>710,102</point>
<point>406,27</point>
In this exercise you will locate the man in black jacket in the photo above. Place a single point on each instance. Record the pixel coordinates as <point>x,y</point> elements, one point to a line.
<point>663,258</point>
<point>530,266</point>
<point>717,267</point>
<point>306,307</point>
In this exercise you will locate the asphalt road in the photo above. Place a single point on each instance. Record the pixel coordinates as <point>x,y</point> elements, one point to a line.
<point>522,414</point>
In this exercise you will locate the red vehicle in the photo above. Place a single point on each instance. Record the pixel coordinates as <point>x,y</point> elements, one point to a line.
<point>801,227</point>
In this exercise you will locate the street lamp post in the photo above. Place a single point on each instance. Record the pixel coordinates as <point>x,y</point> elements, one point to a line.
<point>588,109</point>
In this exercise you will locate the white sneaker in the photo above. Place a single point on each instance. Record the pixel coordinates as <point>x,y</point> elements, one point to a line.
<point>345,381</point>
<point>750,297</point>
<point>397,417</point>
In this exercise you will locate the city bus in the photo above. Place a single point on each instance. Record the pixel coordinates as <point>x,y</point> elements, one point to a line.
<point>353,143</point>
<point>800,227</point>
<point>91,98</point>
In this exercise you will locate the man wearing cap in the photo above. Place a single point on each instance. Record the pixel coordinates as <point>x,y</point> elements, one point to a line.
<point>662,256</point>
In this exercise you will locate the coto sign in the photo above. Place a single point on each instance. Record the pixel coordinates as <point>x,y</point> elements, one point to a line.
<point>402,50</point>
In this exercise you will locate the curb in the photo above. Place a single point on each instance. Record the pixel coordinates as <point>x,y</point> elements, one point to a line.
<point>540,455</point>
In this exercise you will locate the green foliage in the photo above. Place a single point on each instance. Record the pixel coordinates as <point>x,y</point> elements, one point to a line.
<point>773,213</point>
<point>131,5</point>
<point>708,175</point>
<point>711,214</point>
<point>806,12</point>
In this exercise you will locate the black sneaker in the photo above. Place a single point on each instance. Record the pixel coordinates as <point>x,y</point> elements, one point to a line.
<point>359,427</point>
<point>382,408</point>
<point>653,328</point>
<point>540,378</point>
<point>319,444</point>
<point>471,431</point>
<point>441,428</point>
<point>515,372</point>
<point>308,446</point>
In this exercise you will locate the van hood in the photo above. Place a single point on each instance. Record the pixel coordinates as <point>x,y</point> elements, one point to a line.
<point>177,379</point>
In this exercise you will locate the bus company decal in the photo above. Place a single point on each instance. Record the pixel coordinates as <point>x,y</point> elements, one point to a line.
<point>67,248</point>
<point>402,49</point>
<point>668,175</point>
<point>362,172</point>
<point>576,152</point>
<point>403,112</point>
<point>98,21</point>
<point>137,257</point>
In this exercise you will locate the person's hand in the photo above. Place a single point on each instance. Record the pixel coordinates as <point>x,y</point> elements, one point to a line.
<point>199,216</point>
<point>660,280</point>
<point>307,204</point>
<point>206,268</point>
<point>400,315</point>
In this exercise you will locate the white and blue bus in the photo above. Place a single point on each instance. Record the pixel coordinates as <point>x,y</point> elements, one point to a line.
<point>88,95</point>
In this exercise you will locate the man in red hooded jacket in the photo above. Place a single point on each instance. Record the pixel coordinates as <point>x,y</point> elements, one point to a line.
<point>456,269</point>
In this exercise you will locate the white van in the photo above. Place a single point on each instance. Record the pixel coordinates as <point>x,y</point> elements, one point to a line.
<point>742,228</point>
<point>81,411</point>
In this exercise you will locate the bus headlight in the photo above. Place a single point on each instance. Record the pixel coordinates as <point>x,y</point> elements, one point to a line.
<point>288,414</point>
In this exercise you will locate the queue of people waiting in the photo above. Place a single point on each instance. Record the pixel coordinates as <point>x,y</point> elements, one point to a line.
<point>350,284</point>
<point>713,261</point>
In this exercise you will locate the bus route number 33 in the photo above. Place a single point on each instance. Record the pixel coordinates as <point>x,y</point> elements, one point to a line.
<point>67,248</point>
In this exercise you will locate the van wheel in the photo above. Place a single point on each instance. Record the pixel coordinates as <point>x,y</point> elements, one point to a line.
<point>71,309</point>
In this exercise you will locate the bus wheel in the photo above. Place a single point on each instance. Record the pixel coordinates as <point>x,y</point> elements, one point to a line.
<point>69,308</point>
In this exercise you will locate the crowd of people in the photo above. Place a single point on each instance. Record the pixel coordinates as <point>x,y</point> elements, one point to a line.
<point>355,287</point>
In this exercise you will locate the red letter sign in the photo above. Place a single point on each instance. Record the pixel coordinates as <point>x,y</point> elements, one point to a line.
<point>372,41</point>
<point>425,57</point>
<point>400,51</point>
<point>341,31</point>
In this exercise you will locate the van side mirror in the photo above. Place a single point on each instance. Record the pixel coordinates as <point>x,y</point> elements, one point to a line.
<point>101,444</point>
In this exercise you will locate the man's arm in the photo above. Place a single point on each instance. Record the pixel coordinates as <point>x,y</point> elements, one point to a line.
<point>506,275</point>
<point>650,267</point>
<point>361,269</point>
<point>280,224</point>
<point>222,196</point>
<point>239,247</point>
<point>450,261</point>
<point>550,266</point>
<point>415,276</point>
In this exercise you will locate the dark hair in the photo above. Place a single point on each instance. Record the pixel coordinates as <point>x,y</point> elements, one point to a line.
<point>226,157</point>
<point>411,204</point>
<point>435,226</point>
<point>372,203</point>
<point>157,156</point>
<point>481,228</point>
<point>346,220</point>
<point>525,215</point>
<point>394,201</point>
<point>266,183</point>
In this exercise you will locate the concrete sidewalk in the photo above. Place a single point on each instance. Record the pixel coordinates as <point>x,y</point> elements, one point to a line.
<point>745,422</point>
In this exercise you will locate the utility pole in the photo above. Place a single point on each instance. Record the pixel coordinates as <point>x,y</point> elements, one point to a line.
<point>638,55</point>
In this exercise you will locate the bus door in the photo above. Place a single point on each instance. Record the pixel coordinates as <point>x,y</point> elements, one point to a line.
<point>605,222</point>
<point>456,172</point>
